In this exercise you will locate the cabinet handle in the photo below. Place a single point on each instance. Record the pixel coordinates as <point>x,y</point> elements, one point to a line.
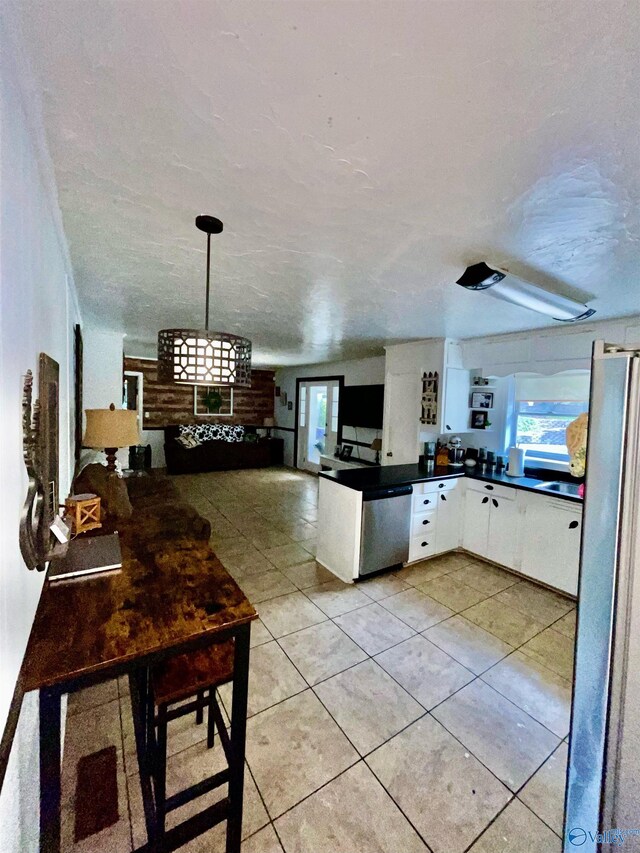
<point>489,487</point>
<point>425,521</point>
<point>390,453</point>
<point>423,544</point>
<point>441,485</point>
<point>443,497</point>
<point>426,502</point>
<point>573,525</point>
<point>494,501</point>
<point>485,499</point>
<point>448,427</point>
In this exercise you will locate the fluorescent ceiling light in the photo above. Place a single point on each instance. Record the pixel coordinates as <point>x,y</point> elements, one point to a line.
<point>508,288</point>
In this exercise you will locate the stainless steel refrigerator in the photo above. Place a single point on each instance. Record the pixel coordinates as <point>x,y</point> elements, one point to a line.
<point>603,779</point>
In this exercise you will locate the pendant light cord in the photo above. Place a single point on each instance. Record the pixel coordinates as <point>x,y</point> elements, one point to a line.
<point>206,309</point>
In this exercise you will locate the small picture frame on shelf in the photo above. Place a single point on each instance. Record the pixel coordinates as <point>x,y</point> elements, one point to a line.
<point>345,453</point>
<point>482,400</point>
<point>479,420</point>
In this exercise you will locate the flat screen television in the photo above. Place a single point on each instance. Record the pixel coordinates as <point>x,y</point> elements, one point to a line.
<point>362,405</point>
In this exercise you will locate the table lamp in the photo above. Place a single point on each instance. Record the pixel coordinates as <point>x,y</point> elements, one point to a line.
<point>376,445</point>
<point>268,424</point>
<point>109,429</point>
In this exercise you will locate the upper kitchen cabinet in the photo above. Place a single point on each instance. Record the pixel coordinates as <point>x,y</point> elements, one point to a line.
<point>405,364</point>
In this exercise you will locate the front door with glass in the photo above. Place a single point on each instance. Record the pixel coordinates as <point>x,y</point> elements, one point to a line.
<point>317,422</point>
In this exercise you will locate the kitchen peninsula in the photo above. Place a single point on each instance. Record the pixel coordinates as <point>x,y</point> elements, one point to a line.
<point>525,524</point>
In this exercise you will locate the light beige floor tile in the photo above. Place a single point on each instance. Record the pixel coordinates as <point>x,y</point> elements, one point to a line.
<point>503,621</point>
<point>185,769</point>
<point>289,613</point>
<point>267,538</point>
<point>452,561</point>
<point>553,650</point>
<point>308,574</point>
<point>310,546</point>
<point>264,841</point>
<point>286,555</point>
<point>373,628</point>
<point>567,625</point>
<point>368,705</point>
<point>541,604</point>
<point>452,593</point>
<point>382,586</point>
<point>91,730</point>
<point>517,830</point>
<point>91,697</point>
<point>246,564</point>
<point>422,572</point>
<point>259,633</point>
<point>272,678</point>
<point>298,530</point>
<point>543,694</point>
<point>507,741</point>
<point>473,647</point>
<point>352,814</point>
<point>416,609</point>
<point>444,791</point>
<point>321,651</point>
<point>429,674</point>
<point>485,578</point>
<point>259,588</point>
<point>293,749</point>
<point>336,597</point>
<point>544,792</point>
<point>224,546</point>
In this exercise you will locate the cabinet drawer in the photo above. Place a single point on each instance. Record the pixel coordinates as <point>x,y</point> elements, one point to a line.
<point>422,523</point>
<point>423,502</point>
<point>438,485</point>
<point>507,493</point>
<point>421,547</point>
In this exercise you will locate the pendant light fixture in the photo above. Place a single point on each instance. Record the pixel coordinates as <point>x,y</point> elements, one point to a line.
<point>201,357</point>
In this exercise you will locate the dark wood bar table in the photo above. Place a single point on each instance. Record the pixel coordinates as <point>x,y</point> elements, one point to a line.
<point>170,597</point>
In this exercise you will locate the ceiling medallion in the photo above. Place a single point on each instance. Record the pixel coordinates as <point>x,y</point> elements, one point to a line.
<point>201,357</point>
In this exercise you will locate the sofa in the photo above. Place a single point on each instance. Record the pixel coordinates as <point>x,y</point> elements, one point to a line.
<point>219,455</point>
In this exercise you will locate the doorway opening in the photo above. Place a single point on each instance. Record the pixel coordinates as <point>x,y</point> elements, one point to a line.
<point>317,420</point>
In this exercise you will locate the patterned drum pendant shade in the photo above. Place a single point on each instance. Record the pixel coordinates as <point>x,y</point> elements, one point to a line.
<point>199,356</point>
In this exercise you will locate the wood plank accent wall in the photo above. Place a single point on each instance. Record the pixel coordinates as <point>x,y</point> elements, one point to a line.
<point>173,404</point>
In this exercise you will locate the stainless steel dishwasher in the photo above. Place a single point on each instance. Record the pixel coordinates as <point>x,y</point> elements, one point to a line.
<point>386,526</point>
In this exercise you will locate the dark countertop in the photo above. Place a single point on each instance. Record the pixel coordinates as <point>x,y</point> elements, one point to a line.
<point>386,476</point>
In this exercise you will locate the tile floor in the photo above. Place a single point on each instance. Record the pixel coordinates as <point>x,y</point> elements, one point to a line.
<point>426,710</point>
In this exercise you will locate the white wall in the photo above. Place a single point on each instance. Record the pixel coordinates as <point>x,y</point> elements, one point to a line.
<point>38,309</point>
<point>362,371</point>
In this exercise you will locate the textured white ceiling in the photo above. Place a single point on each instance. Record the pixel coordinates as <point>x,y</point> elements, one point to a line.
<point>360,154</point>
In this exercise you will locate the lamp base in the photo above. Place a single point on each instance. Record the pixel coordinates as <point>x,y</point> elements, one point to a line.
<point>110,453</point>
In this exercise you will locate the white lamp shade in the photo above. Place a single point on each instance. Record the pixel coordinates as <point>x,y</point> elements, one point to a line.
<point>268,422</point>
<point>111,428</point>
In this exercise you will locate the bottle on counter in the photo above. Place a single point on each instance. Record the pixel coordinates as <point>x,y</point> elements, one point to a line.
<point>442,454</point>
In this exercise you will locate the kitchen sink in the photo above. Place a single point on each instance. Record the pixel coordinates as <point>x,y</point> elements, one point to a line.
<point>558,486</point>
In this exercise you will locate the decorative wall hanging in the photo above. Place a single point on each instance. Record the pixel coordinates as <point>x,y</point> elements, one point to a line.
<point>199,356</point>
<point>40,452</point>
<point>212,402</point>
<point>429,398</point>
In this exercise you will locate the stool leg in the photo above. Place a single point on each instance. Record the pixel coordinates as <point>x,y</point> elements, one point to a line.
<point>200,711</point>
<point>211,722</point>
<point>161,773</point>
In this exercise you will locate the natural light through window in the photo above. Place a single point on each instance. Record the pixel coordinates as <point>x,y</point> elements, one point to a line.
<point>544,408</point>
<point>541,426</point>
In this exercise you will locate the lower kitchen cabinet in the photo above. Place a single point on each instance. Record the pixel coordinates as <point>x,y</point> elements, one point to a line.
<point>550,541</point>
<point>475,531</point>
<point>448,515</point>
<point>491,523</point>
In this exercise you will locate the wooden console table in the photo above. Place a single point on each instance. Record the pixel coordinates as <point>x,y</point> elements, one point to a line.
<point>171,596</point>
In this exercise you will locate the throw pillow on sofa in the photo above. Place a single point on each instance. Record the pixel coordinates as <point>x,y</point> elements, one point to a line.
<point>188,441</point>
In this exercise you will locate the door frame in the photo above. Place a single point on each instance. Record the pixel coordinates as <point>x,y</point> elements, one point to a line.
<point>299,380</point>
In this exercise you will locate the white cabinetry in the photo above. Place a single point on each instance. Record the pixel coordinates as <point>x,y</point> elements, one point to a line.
<point>491,522</point>
<point>435,520</point>
<point>550,541</point>
<point>455,409</point>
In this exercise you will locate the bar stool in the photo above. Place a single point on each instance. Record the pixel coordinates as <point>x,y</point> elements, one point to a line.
<point>195,676</point>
